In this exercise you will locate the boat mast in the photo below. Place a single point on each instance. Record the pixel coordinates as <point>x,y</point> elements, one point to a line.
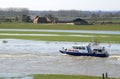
<point>92,38</point>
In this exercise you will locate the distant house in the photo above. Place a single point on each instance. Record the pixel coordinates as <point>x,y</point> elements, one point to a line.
<point>38,19</point>
<point>45,19</point>
<point>79,21</point>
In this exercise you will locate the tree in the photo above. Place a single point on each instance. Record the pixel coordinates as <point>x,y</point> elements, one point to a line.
<point>94,17</point>
<point>26,18</point>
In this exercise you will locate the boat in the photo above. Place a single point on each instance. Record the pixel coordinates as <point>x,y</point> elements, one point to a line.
<point>91,49</point>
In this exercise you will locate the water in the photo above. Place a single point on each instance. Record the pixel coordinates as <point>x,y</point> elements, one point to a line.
<point>69,31</point>
<point>24,57</point>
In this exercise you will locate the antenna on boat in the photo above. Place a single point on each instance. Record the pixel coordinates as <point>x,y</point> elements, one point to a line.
<point>92,38</point>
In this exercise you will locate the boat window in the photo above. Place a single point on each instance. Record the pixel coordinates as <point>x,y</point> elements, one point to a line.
<point>76,47</point>
<point>83,48</point>
<point>79,47</point>
<point>99,50</point>
<point>94,49</point>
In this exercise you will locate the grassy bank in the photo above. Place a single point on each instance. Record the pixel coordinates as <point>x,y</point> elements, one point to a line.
<point>61,36</point>
<point>113,39</point>
<point>56,76</point>
<point>66,77</point>
<point>59,26</point>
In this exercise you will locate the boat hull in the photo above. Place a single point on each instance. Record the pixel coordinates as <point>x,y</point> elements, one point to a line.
<point>85,54</point>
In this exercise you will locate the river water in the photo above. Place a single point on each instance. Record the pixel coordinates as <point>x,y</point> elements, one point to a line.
<point>25,57</point>
<point>68,31</point>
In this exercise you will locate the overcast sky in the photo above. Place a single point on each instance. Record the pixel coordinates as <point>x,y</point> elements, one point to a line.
<point>91,5</point>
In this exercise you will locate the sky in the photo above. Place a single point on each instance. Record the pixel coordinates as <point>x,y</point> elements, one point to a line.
<point>91,5</point>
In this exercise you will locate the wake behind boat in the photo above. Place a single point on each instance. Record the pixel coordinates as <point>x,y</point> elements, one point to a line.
<point>89,50</point>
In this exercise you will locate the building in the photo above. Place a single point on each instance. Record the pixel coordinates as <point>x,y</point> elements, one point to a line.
<point>43,20</point>
<point>79,21</point>
<point>38,19</point>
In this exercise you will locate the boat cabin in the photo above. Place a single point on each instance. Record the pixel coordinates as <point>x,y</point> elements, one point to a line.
<point>89,49</point>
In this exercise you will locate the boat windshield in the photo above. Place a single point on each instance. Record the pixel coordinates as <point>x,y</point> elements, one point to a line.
<point>79,47</point>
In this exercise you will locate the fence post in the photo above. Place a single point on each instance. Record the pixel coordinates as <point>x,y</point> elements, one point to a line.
<point>106,75</point>
<point>103,77</point>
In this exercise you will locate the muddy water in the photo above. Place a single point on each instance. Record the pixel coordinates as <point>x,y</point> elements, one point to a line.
<point>23,57</point>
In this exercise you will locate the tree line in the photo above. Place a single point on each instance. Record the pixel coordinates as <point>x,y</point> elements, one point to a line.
<point>13,14</point>
<point>24,14</point>
<point>91,16</point>
<point>77,13</point>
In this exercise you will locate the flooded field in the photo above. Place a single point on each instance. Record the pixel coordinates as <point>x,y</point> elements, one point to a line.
<point>24,57</point>
<point>68,31</point>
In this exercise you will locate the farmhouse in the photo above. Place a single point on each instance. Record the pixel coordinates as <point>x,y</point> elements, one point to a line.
<point>79,21</point>
<point>38,19</point>
<point>76,21</point>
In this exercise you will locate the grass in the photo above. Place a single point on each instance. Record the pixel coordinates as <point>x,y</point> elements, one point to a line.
<point>114,27</point>
<point>111,38</point>
<point>57,76</point>
<point>64,37</point>
<point>66,77</point>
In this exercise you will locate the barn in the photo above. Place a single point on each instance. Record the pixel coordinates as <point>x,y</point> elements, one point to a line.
<point>79,21</point>
<point>38,19</point>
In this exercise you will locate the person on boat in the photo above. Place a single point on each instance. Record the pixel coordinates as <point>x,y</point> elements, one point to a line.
<point>62,48</point>
<point>103,48</point>
<point>89,48</point>
<point>65,49</point>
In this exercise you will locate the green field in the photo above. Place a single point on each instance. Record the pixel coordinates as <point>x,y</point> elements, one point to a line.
<point>97,38</point>
<point>62,36</point>
<point>67,77</point>
<point>57,76</point>
<point>59,26</point>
